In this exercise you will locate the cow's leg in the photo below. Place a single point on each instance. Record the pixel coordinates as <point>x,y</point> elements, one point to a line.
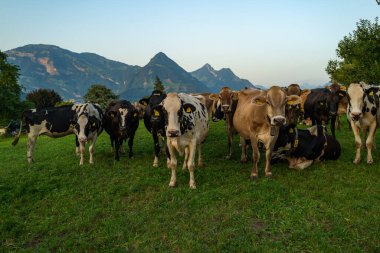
<point>91,150</point>
<point>200,157</point>
<point>365,132</point>
<point>370,141</point>
<point>268,155</point>
<point>243,145</point>
<point>156,149</point>
<point>358,142</point>
<point>172,165</point>
<point>32,138</point>
<point>77,146</point>
<point>191,163</point>
<point>339,122</point>
<point>82,150</point>
<point>117,147</point>
<point>186,157</point>
<point>255,157</point>
<point>230,140</point>
<point>130,145</point>
<point>332,126</point>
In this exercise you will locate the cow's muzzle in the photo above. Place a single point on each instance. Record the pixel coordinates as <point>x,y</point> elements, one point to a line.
<point>278,121</point>
<point>82,139</point>
<point>172,133</point>
<point>225,108</point>
<point>356,116</point>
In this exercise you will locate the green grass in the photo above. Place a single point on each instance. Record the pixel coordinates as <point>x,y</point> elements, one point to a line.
<point>57,206</point>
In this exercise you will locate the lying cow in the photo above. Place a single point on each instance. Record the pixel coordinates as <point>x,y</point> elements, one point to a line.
<point>87,127</point>
<point>121,121</point>
<point>153,122</point>
<point>303,147</point>
<point>187,125</point>
<point>363,113</point>
<point>258,116</point>
<point>61,121</point>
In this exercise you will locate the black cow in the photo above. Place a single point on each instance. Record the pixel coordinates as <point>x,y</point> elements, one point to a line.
<point>153,122</point>
<point>302,147</point>
<point>321,105</point>
<point>121,121</point>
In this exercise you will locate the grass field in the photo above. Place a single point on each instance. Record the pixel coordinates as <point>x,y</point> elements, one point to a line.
<point>57,206</point>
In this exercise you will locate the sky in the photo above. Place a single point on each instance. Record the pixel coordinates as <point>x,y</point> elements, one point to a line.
<point>265,41</point>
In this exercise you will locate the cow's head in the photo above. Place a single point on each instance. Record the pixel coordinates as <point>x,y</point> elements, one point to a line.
<point>216,111</point>
<point>293,89</point>
<point>337,92</point>
<point>176,114</point>
<point>86,120</point>
<point>225,96</point>
<point>322,108</point>
<point>275,102</point>
<point>123,118</point>
<point>356,95</point>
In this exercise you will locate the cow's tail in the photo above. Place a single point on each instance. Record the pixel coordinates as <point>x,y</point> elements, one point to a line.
<point>17,137</point>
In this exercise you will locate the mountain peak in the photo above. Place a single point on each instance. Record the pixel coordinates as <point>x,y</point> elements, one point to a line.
<point>160,56</point>
<point>208,67</point>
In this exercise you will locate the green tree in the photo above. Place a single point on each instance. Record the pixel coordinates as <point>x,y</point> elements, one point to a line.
<point>44,98</point>
<point>10,90</point>
<point>157,85</point>
<point>358,55</point>
<point>100,94</point>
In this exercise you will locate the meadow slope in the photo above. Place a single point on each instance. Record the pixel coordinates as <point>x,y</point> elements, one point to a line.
<point>57,206</point>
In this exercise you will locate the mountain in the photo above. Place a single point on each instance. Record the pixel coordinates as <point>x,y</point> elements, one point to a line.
<point>172,76</point>
<point>216,79</point>
<point>68,73</point>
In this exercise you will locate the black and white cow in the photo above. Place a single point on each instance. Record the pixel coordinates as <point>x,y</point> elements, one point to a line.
<point>303,147</point>
<point>54,122</point>
<point>187,124</point>
<point>363,114</point>
<point>121,121</point>
<point>153,121</point>
<point>88,125</point>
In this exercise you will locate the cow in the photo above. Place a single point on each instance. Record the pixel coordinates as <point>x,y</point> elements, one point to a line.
<point>363,114</point>
<point>342,109</point>
<point>88,125</point>
<point>321,105</point>
<point>140,108</point>
<point>58,122</point>
<point>258,116</point>
<point>209,103</point>
<point>121,120</point>
<point>303,147</point>
<point>226,102</point>
<point>153,122</point>
<point>187,124</point>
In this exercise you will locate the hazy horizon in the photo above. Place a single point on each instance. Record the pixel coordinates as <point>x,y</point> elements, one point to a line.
<point>266,42</point>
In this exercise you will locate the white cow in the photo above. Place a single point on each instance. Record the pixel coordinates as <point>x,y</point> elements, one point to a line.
<point>187,125</point>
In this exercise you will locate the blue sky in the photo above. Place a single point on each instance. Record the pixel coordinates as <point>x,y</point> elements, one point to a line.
<point>265,41</point>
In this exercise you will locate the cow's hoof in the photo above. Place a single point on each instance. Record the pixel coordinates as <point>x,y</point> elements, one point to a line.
<point>370,162</point>
<point>155,165</point>
<point>131,157</point>
<point>243,160</point>
<point>193,187</point>
<point>172,184</point>
<point>268,174</point>
<point>356,161</point>
<point>91,162</point>
<point>184,167</point>
<point>254,176</point>
<point>228,157</point>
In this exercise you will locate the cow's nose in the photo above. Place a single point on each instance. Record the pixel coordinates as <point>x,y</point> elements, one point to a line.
<point>356,115</point>
<point>279,120</point>
<point>225,107</point>
<point>173,133</point>
<point>82,139</point>
<point>333,113</point>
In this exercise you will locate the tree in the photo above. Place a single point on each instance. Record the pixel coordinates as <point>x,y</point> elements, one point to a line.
<point>10,90</point>
<point>44,98</point>
<point>100,94</point>
<point>358,55</point>
<point>158,84</point>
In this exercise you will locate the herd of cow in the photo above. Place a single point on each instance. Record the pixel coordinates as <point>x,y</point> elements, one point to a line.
<point>265,119</point>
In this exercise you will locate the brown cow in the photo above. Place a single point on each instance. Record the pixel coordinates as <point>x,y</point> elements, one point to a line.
<point>208,101</point>
<point>258,116</point>
<point>228,102</point>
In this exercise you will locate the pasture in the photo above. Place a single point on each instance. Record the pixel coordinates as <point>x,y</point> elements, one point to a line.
<point>55,205</point>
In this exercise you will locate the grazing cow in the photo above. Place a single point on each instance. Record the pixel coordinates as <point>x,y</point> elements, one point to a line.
<point>55,122</point>
<point>226,102</point>
<point>363,114</point>
<point>88,126</point>
<point>187,124</point>
<point>121,121</point>
<point>258,116</point>
<point>322,104</point>
<point>153,122</point>
<point>303,147</point>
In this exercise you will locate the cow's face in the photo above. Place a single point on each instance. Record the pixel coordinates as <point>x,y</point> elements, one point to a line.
<point>337,92</point>
<point>355,96</point>
<point>174,111</point>
<point>84,125</point>
<point>123,119</point>
<point>226,95</point>
<point>292,113</point>
<point>216,111</point>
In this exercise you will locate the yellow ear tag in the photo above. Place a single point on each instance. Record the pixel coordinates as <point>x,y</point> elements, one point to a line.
<point>135,114</point>
<point>296,143</point>
<point>93,124</point>
<point>340,94</point>
<point>291,130</point>
<point>156,113</point>
<point>188,110</point>
<point>321,103</point>
<point>145,103</point>
<point>258,102</point>
<point>371,93</point>
<point>290,102</point>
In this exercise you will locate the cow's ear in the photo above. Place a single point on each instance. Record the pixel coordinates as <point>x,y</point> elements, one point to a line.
<point>189,108</point>
<point>293,100</point>
<point>156,111</point>
<point>214,96</point>
<point>342,93</point>
<point>111,114</point>
<point>259,100</point>
<point>235,95</point>
<point>343,88</point>
<point>144,101</point>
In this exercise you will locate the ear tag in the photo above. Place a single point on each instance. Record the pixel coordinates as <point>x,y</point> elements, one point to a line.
<point>135,114</point>
<point>156,113</point>
<point>112,116</point>
<point>93,124</point>
<point>291,130</point>
<point>371,93</point>
<point>321,103</point>
<point>296,143</point>
<point>290,102</point>
<point>340,94</point>
<point>188,110</point>
<point>145,103</point>
<point>258,102</point>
